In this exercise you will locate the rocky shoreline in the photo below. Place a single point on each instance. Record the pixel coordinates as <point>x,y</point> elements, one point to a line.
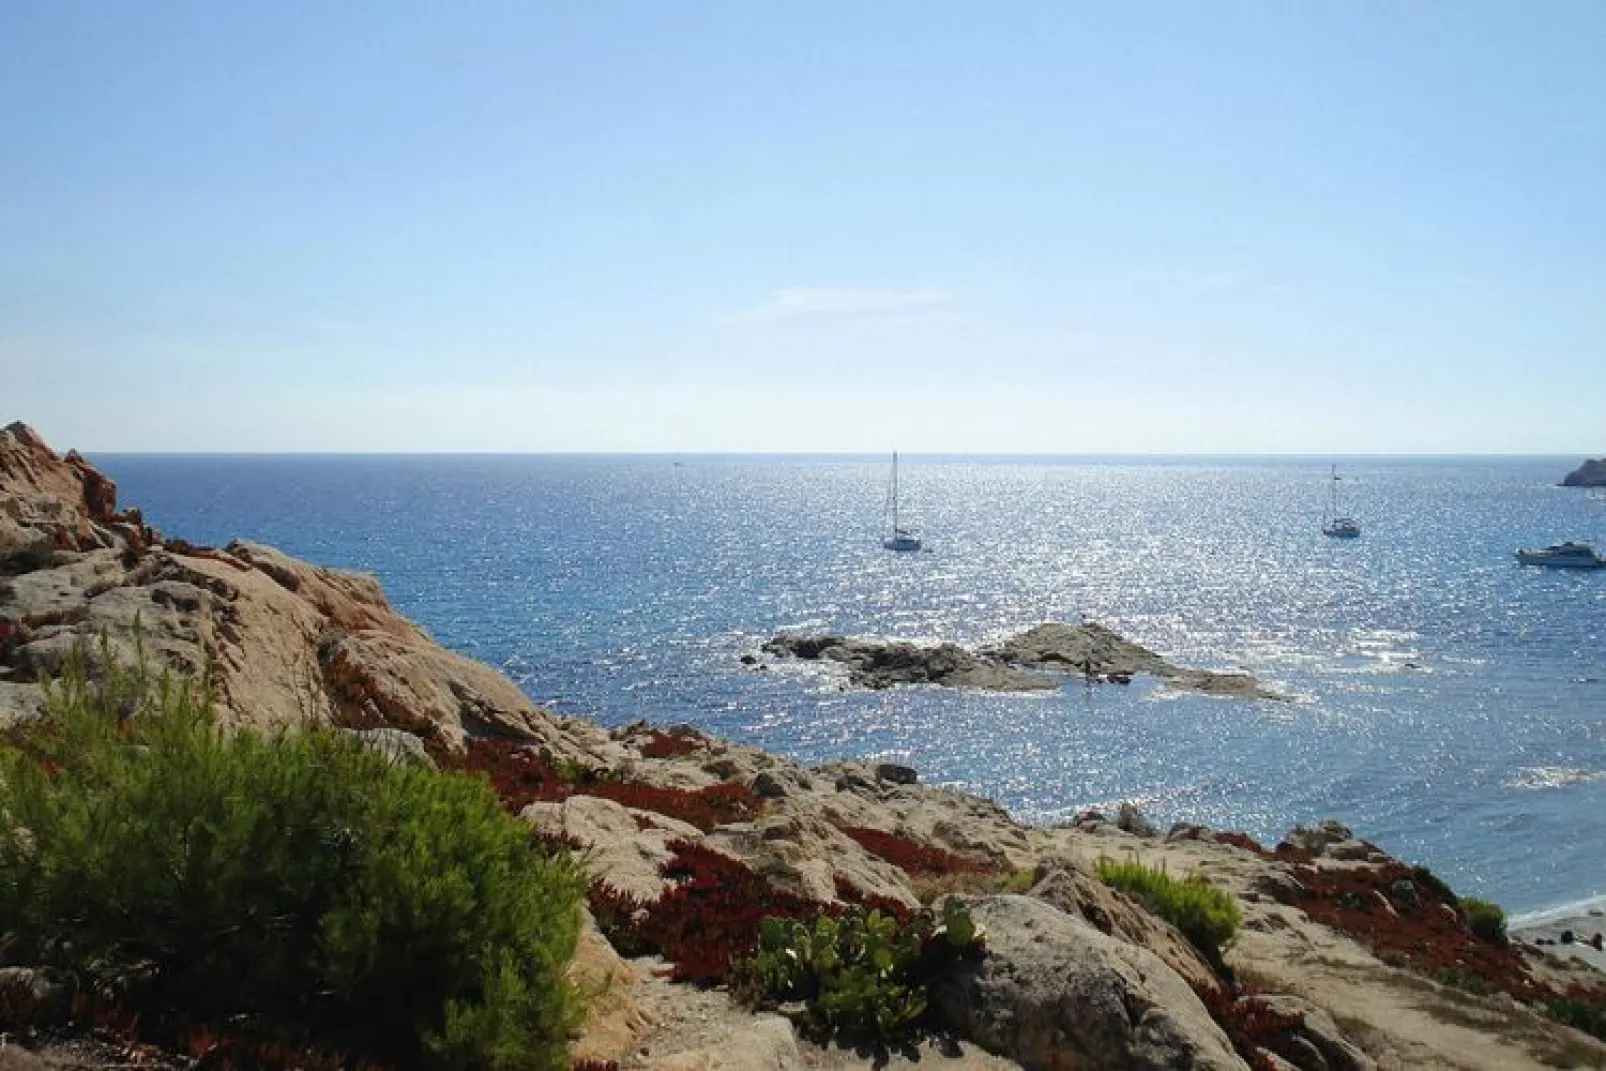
<point>1579,935</point>
<point>1041,658</point>
<point>1345,958</point>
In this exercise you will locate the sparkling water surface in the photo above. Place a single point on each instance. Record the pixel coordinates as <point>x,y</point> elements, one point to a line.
<point>1447,702</point>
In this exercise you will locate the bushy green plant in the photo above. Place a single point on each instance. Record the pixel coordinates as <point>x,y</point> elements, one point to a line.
<point>1580,1015</point>
<point>1207,916</point>
<point>860,975</point>
<point>1487,920</point>
<point>296,879</point>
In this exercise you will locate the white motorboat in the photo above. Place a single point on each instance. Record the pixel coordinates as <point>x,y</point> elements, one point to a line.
<point>1573,554</point>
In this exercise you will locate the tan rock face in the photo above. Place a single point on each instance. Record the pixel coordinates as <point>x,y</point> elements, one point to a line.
<point>280,641</point>
<point>1075,891</point>
<point>47,503</point>
<point>1053,993</point>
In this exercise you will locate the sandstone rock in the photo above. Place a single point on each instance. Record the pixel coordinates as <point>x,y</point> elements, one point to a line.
<point>618,849</point>
<point>615,1019</point>
<point>1128,818</point>
<point>1277,883</point>
<point>807,856</point>
<point>282,641</point>
<point>398,747</point>
<point>1070,888</point>
<point>1590,474</point>
<point>1324,1046</point>
<point>1053,993</point>
<point>1354,849</point>
<point>760,1043</point>
<point>48,504</point>
<point>1315,839</point>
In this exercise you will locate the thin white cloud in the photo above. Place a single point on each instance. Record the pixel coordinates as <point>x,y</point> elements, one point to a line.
<point>799,302</point>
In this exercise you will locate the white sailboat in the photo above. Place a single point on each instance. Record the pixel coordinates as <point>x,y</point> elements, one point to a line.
<point>1333,524</point>
<point>898,538</point>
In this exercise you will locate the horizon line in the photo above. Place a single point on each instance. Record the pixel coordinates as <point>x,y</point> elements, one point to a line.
<point>848,454</point>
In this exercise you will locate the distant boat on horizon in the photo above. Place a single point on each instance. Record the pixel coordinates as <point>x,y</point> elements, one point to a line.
<point>1333,524</point>
<point>898,538</point>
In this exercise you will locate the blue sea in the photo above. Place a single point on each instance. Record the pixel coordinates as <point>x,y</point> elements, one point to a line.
<point>1448,703</point>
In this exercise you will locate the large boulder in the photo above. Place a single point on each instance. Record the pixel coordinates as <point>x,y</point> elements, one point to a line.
<point>1069,887</point>
<point>623,847</point>
<point>1055,994</point>
<point>809,857</point>
<point>1331,839</point>
<point>1316,1044</point>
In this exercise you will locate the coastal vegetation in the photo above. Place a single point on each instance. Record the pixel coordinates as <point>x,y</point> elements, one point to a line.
<point>1486,920</point>
<point>861,976</point>
<point>290,893</point>
<point>1205,915</point>
<point>712,913</point>
<point>522,775</point>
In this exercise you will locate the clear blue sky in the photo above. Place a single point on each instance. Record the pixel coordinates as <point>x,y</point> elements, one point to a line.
<point>1037,227</point>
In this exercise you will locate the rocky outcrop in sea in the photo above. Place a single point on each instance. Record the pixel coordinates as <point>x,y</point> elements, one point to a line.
<point>1591,473</point>
<point>1346,958</point>
<point>1039,658</point>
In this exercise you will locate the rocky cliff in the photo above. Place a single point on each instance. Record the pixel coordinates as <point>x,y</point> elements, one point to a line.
<point>1591,473</point>
<point>1346,959</point>
<point>279,640</point>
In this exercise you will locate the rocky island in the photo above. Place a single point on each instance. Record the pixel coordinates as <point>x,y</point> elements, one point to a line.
<point>1037,659</point>
<point>1591,473</point>
<point>1321,953</point>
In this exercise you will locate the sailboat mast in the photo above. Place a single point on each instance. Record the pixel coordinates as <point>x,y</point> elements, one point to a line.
<point>894,494</point>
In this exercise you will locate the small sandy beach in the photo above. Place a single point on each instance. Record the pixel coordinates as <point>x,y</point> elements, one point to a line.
<point>1587,927</point>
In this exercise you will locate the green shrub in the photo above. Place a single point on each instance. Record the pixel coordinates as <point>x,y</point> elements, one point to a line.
<point>298,881</point>
<point>1484,919</point>
<point>1207,916</point>
<point>1579,1015</point>
<point>861,976</point>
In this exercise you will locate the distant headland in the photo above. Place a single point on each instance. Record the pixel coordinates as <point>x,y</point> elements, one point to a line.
<point>1591,473</point>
